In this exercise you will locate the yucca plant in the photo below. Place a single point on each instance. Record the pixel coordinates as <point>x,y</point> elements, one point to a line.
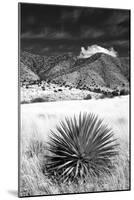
<point>80,148</point>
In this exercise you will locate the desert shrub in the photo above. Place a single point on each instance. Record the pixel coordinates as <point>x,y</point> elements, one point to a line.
<point>80,149</point>
<point>124,92</point>
<point>88,97</point>
<point>84,87</point>
<point>60,90</point>
<point>24,102</point>
<point>43,88</point>
<point>102,96</point>
<point>110,95</point>
<point>97,90</point>
<point>38,99</point>
<point>115,92</point>
<point>106,95</point>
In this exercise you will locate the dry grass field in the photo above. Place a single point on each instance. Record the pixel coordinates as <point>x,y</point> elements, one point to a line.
<point>39,118</point>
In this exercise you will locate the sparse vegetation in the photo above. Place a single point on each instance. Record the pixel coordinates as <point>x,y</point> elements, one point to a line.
<point>124,91</point>
<point>46,91</point>
<point>60,90</point>
<point>88,97</point>
<point>43,88</point>
<point>24,102</point>
<point>89,173</point>
<point>39,99</point>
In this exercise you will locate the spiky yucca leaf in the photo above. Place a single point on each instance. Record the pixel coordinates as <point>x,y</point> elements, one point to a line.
<point>80,148</point>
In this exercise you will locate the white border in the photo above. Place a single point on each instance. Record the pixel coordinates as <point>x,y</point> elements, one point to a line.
<point>8,98</point>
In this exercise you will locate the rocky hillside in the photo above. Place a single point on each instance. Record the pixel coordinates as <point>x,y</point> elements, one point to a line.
<point>100,70</point>
<point>26,74</point>
<point>125,67</point>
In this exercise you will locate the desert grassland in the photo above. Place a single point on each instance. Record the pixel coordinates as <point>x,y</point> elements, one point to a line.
<point>36,121</point>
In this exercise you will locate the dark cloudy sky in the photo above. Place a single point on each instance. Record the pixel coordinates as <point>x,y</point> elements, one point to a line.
<point>50,30</point>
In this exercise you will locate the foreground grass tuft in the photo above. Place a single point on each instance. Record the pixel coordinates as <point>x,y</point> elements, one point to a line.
<point>110,175</point>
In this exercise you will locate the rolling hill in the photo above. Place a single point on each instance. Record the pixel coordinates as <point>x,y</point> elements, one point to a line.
<point>99,70</point>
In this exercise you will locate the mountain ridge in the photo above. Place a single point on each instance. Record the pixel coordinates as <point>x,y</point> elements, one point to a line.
<point>98,70</point>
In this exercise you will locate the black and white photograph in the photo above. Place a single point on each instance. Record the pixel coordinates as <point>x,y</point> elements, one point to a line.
<point>74,99</point>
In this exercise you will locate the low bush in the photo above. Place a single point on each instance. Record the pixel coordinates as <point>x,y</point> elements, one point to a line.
<point>124,92</point>
<point>88,97</point>
<point>115,92</point>
<point>39,99</point>
<point>24,102</point>
<point>43,88</point>
<point>60,90</point>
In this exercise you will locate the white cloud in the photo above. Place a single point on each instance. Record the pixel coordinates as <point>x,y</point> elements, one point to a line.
<point>96,49</point>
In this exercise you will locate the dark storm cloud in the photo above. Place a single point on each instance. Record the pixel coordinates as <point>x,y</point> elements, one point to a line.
<point>58,28</point>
